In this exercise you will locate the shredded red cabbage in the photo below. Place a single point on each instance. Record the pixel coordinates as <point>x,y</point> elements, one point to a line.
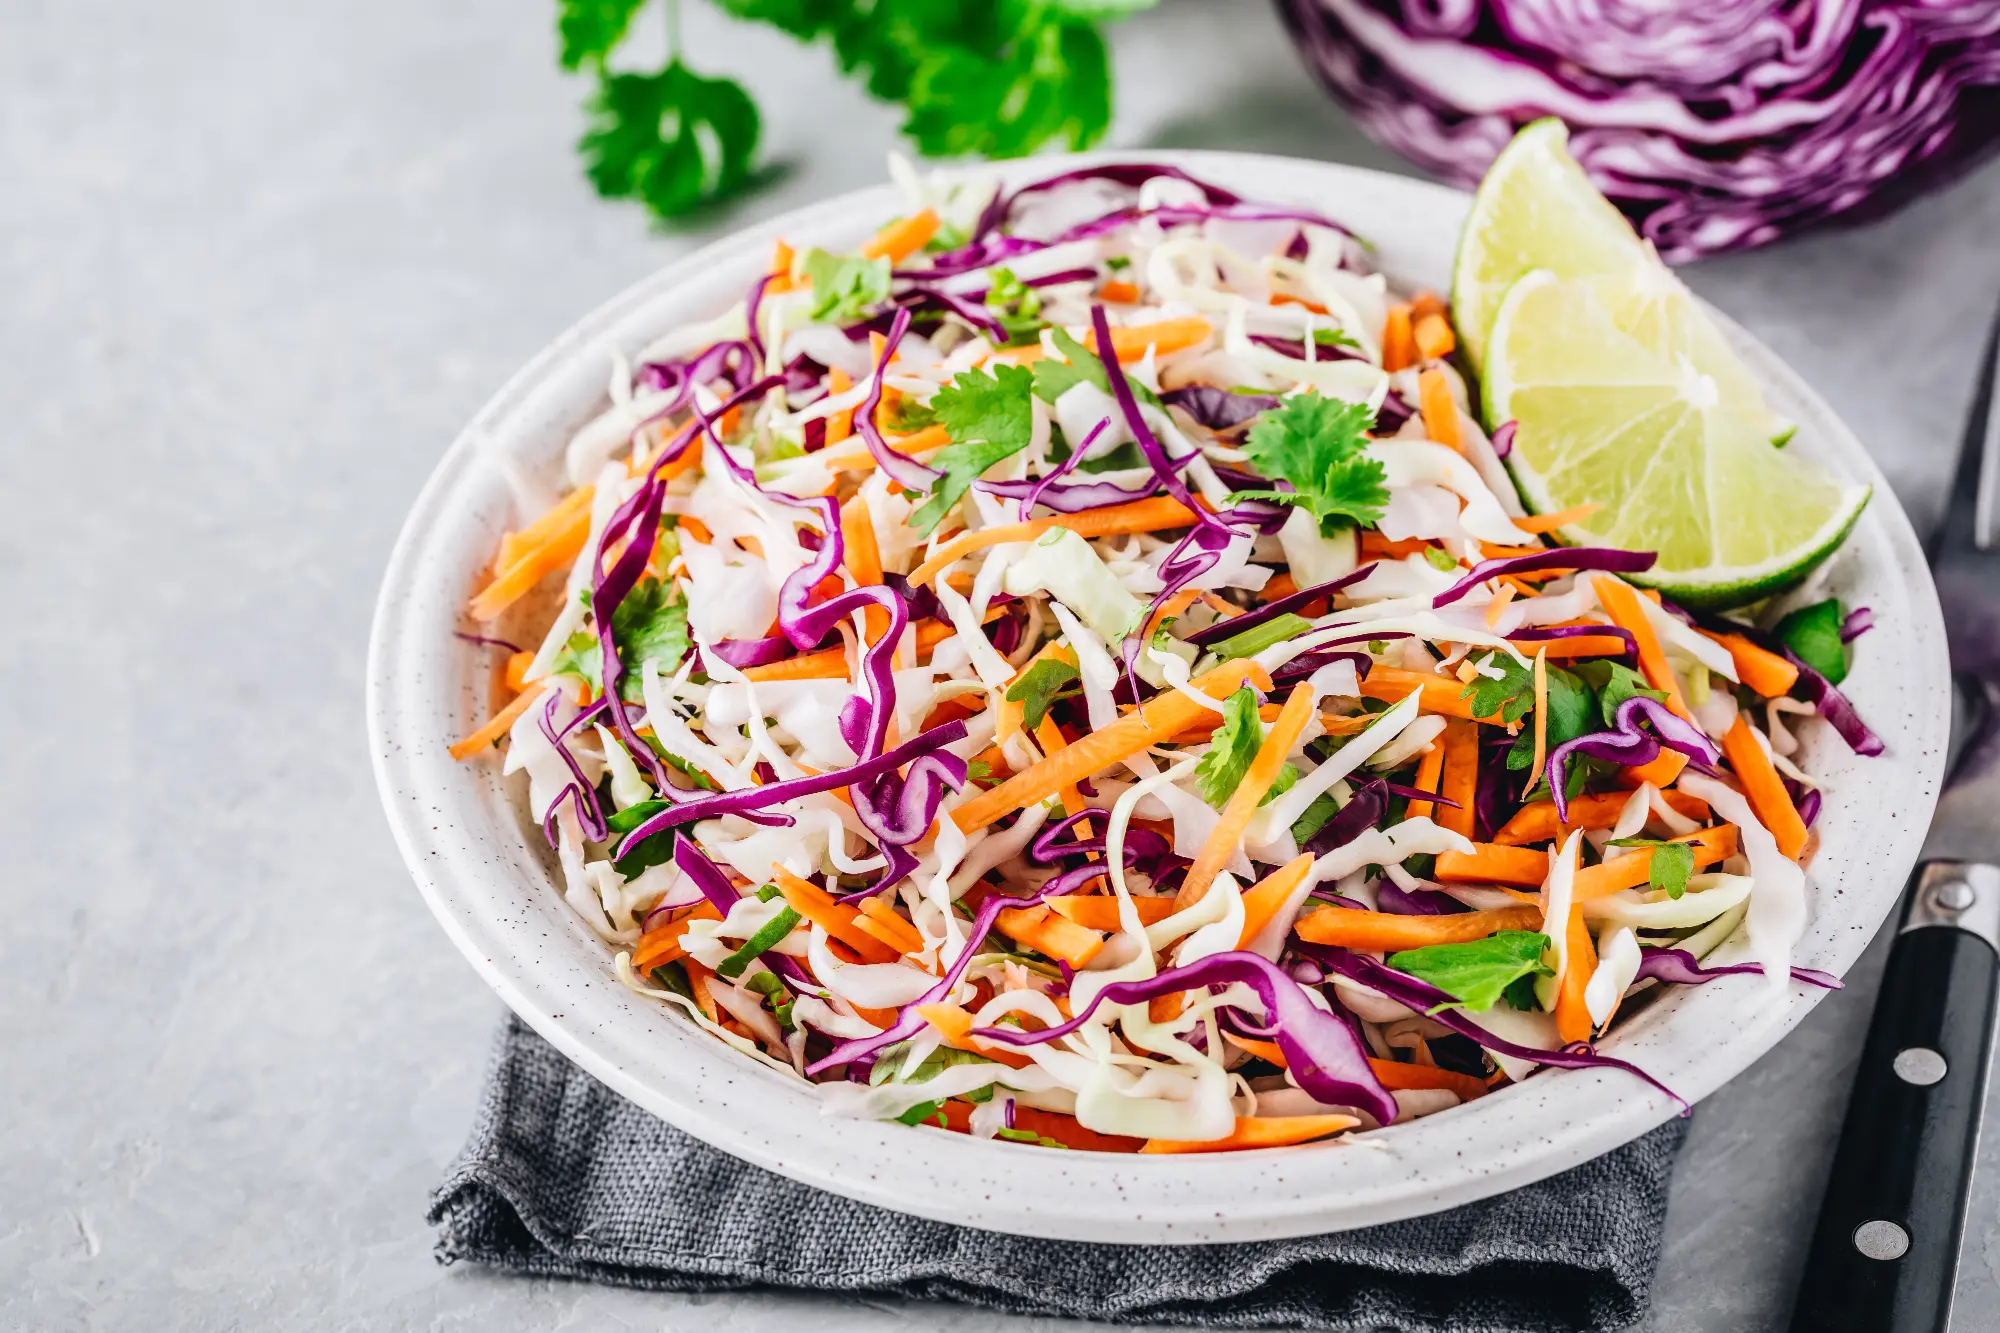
<point>1544,633</point>
<point>1220,410</point>
<point>1423,902</point>
<point>1629,747</point>
<point>1322,1051</point>
<point>1680,968</point>
<point>1503,438</point>
<point>1608,558</point>
<point>1305,664</point>
<point>1363,811</point>
<point>1441,1007</point>
<point>904,470</point>
<point>707,876</point>
<point>1859,621</point>
<point>1295,348</point>
<point>741,653</point>
<point>1223,629</point>
<point>1834,707</point>
<point>486,641</point>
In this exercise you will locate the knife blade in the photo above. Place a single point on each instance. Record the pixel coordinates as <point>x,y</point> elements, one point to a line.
<point>1884,1254</point>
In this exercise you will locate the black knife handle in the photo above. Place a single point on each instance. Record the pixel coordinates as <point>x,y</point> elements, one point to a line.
<point>1885,1254</point>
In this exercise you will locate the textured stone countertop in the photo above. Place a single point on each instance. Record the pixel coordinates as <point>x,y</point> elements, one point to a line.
<point>257,264</point>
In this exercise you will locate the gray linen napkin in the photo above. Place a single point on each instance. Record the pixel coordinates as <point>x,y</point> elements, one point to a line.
<point>563,1178</point>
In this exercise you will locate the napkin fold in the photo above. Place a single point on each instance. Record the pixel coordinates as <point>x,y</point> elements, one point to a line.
<point>564,1178</point>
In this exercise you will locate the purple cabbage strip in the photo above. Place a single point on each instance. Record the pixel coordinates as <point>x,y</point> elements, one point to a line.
<point>1394,412</point>
<point>1606,558</point>
<point>741,653</point>
<point>1423,902</point>
<point>707,876</point>
<point>909,1022</point>
<point>1834,707</point>
<point>711,805</point>
<point>1323,1052</point>
<point>587,810</point>
<point>1305,664</point>
<point>1218,409</point>
<point>1131,175</point>
<point>1030,492</point>
<point>1435,1004</point>
<point>1223,629</point>
<point>1859,621</point>
<point>1544,633</point>
<point>1678,967</point>
<point>1149,444</point>
<point>1295,348</point>
<point>1503,438</point>
<point>899,467</point>
<point>1629,747</point>
<point>1806,800</point>
<point>1363,811</point>
<point>752,303</point>
<point>486,641</point>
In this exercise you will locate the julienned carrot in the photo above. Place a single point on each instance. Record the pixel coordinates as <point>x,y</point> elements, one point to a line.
<point>903,237</point>
<point>826,664</point>
<point>1374,546</point>
<point>1541,710</point>
<point>1227,836</point>
<point>516,676</point>
<point>1759,668</point>
<point>955,1026</point>
<point>1431,332</point>
<point>1119,293</point>
<point>926,441</point>
<point>1630,871</point>
<point>1050,737</point>
<point>1621,603</point>
<point>1008,720</point>
<point>1262,900</point>
<point>1099,911</point>
<point>1278,585</point>
<point>1063,1129</point>
<point>1762,786</point>
<point>1387,931</point>
<point>1399,347</point>
<point>1459,780</point>
<point>1441,694</point>
<point>835,918</point>
<point>1583,645</point>
<point>1130,341</point>
<point>553,520</point>
<point>1430,769</point>
<point>1537,822</point>
<point>1490,863</point>
<point>1167,610</point>
<point>1562,518</point>
<point>1392,1074</point>
<point>1508,588</point>
<point>1050,934</point>
<point>502,722</point>
<point>841,424</point>
<point>559,551</point>
<point>1259,1132</point>
<point>903,936</point>
<point>1527,867</point>
<point>663,943</point>
<point>1439,409</point>
<point>1111,521</point>
<point>1579,961</point>
<point>864,558</point>
<point>1161,717</point>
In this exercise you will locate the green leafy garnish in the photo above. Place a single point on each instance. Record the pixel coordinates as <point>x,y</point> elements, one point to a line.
<point>1614,683</point>
<point>1323,808</point>
<point>1520,994</point>
<point>1670,866</point>
<point>1572,713</point>
<point>1318,444</point>
<point>650,623</point>
<point>988,417</point>
<point>1479,972</point>
<point>923,1111</point>
<point>655,850</point>
<point>673,139</point>
<point>590,28</point>
<point>844,286</point>
<point>1813,634</point>
<point>980,772</point>
<point>906,415</point>
<point>1079,365</point>
<point>1028,1136</point>
<point>1241,734</point>
<point>767,935</point>
<point>1017,306</point>
<point>1508,696</point>
<point>1257,638</point>
<point>1048,680</point>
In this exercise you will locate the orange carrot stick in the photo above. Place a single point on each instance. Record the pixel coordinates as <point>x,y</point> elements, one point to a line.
<point>1759,668</point>
<point>1431,332</point>
<point>902,935</point>
<point>1227,835</point>
<point>1527,868</point>
<point>955,1026</point>
<point>864,558</point>
<point>1158,719</point>
<point>903,237</point>
<point>1562,518</point>
<point>1118,293</point>
<point>835,918</point>
<point>663,943</point>
<point>1621,603</point>
<point>1259,1132</point>
<point>1441,694</point>
<point>1490,863</point>
<point>558,552</point>
<point>1130,341</point>
<point>1765,790</point>
<point>1111,521</point>
<point>841,424</point>
<point>1439,409</point>
<point>1262,900</point>
<point>1537,822</point>
<point>1050,934</point>
<point>502,722</point>
<point>826,664</point>
<point>1399,345</point>
<point>1430,768</point>
<point>1388,932</point>
<point>1459,779</point>
<point>1579,961</point>
<point>1099,911</point>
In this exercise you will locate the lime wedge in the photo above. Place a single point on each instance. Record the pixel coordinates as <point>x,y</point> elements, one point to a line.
<point>1534,210</point>
<point>1629,399</point>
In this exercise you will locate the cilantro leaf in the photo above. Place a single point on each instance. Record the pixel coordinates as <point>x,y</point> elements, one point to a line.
<point>1026,76</point>
<point>673,139</point>
<point>1048,680</point>
<point>906,415</point>
<point>1614,683</point>
<point>989,418</point>
<point>1080,365</point>
<point>1520,994</point>
<point>1235,744</point>
<point>1316,443</point>
<point>1017,305</point>
<point>1813,635</point>
<point>1478,973</point>
<point>1572,713</point>
<point>1288,778</point>
<point>650,623</point>
<point>1509,697</point>
<point>844,286</point>
<point>590,28</point>
<point>1323,808</point>
<point>1670,867</point>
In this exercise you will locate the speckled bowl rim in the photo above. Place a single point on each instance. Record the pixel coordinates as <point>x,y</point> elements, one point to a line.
<point>482,869</point>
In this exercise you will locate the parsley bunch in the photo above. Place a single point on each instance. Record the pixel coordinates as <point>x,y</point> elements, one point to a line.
<point>996,78</point>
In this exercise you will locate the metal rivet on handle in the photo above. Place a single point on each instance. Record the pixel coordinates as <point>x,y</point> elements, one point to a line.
<point>1953,895</point>
<point>1919,1065</point>
<point>1881,1240</point>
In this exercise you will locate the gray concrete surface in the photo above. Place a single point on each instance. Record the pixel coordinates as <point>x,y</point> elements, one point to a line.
<point>257,263</point>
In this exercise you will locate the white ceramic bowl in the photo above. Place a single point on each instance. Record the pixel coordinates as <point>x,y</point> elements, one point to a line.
<point>484,870</point>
